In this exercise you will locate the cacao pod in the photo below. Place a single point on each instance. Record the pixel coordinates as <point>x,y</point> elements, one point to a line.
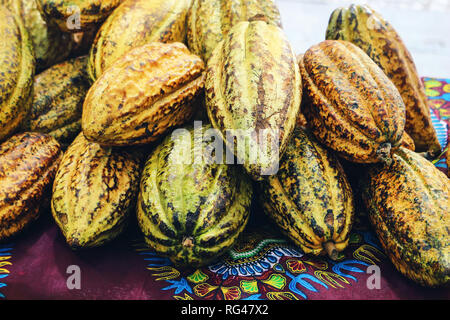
<point>136,23</point>
<point>93,192</point>
<point>407,142</point>
<point>76,15</point>
<point>368,30</point>
<point>58,96</point>
<point>51,46</point>
<point>28,164</point>
<point>409,208</point>
<point>17,65</point>
<point>310,198</point>
<point>121,108</point>
<point>191,211</point>
<point>253,88</point>
<point>351,105</point>
<point>210,20</point>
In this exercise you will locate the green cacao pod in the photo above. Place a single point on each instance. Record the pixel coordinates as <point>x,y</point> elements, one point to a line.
<point>351,106</point>
<point>76,15</point>
<point>310,198</point>
<point>17,64</point>
<point>94,192</point>
<point>133,24</point>
<point>368,30</point>
<point>409,207</point>
<point>122,109</point>
<point>253,88</point>
<point>28,164</point>
<point>210,20</point>
<point>191,211</point>
<point>58,96</point>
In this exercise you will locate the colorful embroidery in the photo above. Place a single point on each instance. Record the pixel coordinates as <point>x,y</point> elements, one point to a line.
<point>5,256</point>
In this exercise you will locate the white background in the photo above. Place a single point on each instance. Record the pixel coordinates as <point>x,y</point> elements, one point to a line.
<point>424,26</point>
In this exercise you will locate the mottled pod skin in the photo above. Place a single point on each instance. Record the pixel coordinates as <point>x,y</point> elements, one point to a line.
<point>409,207</point>
<point>368,30</point>
<point>17,64</point>
<point>210,20</point>
<point>252,84</point>
<point>407,142</point>
<point>191,211</point>
<point>94,192</point>
<point>58,96</point>
<point>76,15</point>
<point>133,24</point>
<point>28,164</point>
<point>310,198</point>
<point>351,105</point>
<point>145,93</point>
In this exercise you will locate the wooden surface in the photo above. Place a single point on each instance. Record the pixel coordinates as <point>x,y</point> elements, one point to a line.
<point>423,25</point>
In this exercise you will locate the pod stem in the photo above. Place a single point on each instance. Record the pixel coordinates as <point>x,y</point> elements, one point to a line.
<point>188,242</point>
<point>384,153</point>
<point>331,250</point>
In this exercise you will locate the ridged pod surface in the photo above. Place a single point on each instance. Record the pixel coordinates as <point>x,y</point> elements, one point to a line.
<point>28,164</point>
<point>407,142</point>
<point>409,207</point>
<point>210,20</point>
<point>76,15</point>
<point>310,198</point>
<point>191,211</point>
<point>58,96</point>
<point>368,30</point>
<point>17,64</point>
<point>351,105</point>
<point>145,93</point>
<point>94,192</point>
<point>253,91</point>
<point>133,24</point>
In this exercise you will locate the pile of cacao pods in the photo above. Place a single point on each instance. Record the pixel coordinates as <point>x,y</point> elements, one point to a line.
<point>93,93</point>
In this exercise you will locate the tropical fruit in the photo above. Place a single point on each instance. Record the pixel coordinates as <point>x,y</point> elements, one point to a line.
<point>58,96</point>
<point>409,207</point>
<point>28,164</point>
<point>350,105</point>
<point>310,198</point>
<point>76,15</point>
<point>17,65</point>
<point>189,210</point>
<point>368,30</point>
<point>407,142</point>
<point>121,108</point>
<point>253,93</point>
<point>210,20</point>
<point>133,24</point>
<point>94,192</point>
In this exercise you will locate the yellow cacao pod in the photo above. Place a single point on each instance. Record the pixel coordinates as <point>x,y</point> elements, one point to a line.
<point>133,24</point>
<point>94,192</point>
<point>17,64</point>
<point>121,108</point>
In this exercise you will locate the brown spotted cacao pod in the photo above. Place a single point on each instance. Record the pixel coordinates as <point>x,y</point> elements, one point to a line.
<point>368,30</point>
<point>409,207</point>
<point>351,105</point>
<point>58,96</point>
<point>210,20</point>
<point>133,24</point>
<point>253,94</point>
<point>28,164</point>
<point>310,198</point>
<point>121,108</point>
<point>94,192</point>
